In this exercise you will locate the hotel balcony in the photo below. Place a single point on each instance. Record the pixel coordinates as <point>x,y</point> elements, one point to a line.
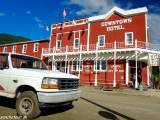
<point>108,47</point>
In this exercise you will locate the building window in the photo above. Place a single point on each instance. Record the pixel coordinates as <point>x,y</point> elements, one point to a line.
<point>14,49</point>
<point>76,65</point>
<point>58,45</point>
<point>76,42</point>
<point>35,47</point>
<point>101,65</point>
<point>129,38</point>
<point>24,48</point>
<point>101,40</point>
<point>5,49</point>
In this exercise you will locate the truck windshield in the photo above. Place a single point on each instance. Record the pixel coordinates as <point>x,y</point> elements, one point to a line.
<point>20,61</point>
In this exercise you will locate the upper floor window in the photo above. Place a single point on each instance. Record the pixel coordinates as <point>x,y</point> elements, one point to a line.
<point>24,48</point>
<point>101,40</point>
<point>76,42</point>
<point>35,47</point>
<point>129,38</point>
<point>14,49</point>
<point>101,65</point>
<point>5,49</point>
<point>58,45</point>
<point>76,65</point>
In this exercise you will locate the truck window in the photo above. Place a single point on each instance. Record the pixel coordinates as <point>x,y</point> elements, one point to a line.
<point>21,61</point>
<point>4,61</point>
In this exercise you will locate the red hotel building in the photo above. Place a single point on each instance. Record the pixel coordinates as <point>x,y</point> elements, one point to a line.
<point>104,49</point>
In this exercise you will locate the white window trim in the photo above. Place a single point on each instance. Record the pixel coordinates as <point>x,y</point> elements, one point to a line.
<point>57,44</point>
<point>5,49</point>
<point>78,43</point>
<point>100,65</point>
<point>14,49</point>
<point>35,47</point>
<point>23,48</point>
<point>99,40</point>
<point>126,43</point>
<point>77,68</point>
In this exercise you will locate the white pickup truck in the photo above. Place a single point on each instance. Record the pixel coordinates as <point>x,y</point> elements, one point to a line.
<point>27,79</point>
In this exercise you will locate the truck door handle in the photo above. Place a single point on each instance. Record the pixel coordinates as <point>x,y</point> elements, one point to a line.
<point>15,81</point>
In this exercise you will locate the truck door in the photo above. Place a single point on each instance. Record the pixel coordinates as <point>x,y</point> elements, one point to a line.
<point>4,73</point>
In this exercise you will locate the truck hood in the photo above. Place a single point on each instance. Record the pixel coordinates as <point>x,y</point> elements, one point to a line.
<point>41,73</point>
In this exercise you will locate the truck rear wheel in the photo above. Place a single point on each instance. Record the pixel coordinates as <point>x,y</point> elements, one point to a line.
<point>27,105</point>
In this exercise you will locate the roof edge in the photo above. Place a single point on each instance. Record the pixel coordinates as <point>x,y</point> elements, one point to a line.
<point>124,13</point>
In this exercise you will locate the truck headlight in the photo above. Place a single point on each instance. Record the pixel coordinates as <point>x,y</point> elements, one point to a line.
<point>49,83</point>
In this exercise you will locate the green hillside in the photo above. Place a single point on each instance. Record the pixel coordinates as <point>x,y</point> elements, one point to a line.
<point>7,39</point>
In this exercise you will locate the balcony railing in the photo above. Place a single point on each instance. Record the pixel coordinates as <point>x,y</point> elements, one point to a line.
<point>107,46</point>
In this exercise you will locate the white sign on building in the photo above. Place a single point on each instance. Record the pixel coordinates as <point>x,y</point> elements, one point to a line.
<point>154,59</point>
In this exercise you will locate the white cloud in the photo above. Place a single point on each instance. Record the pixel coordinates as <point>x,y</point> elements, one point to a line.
<point>129,5</point>
<point>154,8</point>
<point>2,14</point>
<point>28,12</point>
<point>154,24</point>
<point>90,7</point>
<point>37,19</point>
<point>40,26</point>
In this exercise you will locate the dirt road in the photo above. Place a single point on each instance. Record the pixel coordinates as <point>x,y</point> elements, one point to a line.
<point>100,105</point>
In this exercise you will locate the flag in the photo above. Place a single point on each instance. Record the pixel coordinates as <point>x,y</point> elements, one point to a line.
<point>47,28</point>
<point>64,13</point>
<point>73,22</point>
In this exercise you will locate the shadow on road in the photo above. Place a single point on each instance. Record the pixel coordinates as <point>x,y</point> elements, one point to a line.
<point>7,102</point>
<point>110,114</point>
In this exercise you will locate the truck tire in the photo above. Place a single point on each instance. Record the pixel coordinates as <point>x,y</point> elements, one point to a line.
<point>27,105</point>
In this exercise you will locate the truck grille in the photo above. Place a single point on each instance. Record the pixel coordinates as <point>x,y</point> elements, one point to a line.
<point>67,83</point>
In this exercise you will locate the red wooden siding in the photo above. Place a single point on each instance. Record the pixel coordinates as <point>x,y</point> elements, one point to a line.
<point>137,26</point>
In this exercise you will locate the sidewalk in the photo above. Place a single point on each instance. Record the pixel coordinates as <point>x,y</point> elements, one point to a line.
<point>126,91</point>
<point>149,93</point>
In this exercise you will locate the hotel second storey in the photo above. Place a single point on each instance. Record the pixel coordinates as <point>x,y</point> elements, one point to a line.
<point>104,49</point>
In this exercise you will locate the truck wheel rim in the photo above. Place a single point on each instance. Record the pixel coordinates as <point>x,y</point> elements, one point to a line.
<point>26,106</point>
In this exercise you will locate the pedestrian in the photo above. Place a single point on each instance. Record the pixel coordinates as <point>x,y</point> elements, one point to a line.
<point>134,78</point>
<point>153,81</point>
<point>156,83</point>
<point>139,78</point>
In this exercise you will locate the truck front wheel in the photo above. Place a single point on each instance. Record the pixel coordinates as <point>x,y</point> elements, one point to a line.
<point>27,105</point>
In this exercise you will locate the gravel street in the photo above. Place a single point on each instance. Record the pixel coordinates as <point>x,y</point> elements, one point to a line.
<point>127,104</point>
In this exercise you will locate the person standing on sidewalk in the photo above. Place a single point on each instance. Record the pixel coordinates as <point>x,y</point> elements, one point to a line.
<point>139,78</point>
<point>153,81</point>
<point>156,83</point>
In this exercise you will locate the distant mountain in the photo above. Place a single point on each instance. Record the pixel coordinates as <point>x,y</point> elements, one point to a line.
<point>7,39</point>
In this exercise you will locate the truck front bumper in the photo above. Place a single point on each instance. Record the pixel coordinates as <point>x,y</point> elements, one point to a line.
<point>58,97</point>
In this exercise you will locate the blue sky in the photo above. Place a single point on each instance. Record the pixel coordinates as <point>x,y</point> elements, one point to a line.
<point>27,18</point>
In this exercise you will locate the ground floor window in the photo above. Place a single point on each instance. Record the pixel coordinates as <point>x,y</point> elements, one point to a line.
<point>101,65</point>
<point>76,65</point>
